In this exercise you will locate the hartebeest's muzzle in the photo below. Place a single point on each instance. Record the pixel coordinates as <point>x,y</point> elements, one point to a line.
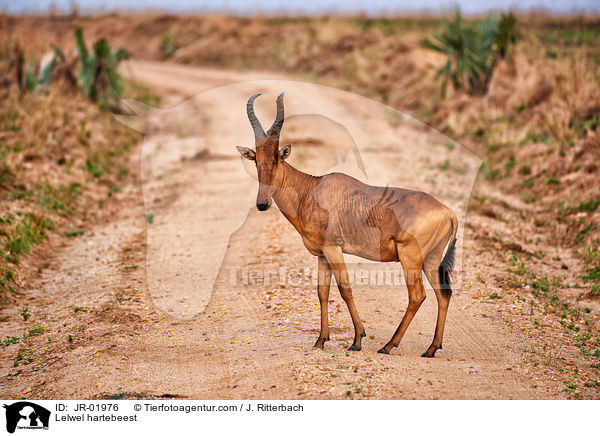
<point>263,206</point>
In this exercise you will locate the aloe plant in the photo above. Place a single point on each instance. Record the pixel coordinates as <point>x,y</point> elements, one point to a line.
<point>28,80</point>
<point>473,50</point>
<point>98,73</point>
<point>45,75</point>
<point>507,34</point>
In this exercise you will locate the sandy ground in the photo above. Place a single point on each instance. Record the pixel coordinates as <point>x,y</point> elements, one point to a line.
<point>133,310</point>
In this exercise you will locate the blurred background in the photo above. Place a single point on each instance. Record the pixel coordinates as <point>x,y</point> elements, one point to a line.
<point>297,7</point>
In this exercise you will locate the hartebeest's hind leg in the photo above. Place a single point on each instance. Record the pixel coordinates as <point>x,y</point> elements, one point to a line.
<point>437,272</point>
<point>431,269</point>
<point>335,258</point>
<point>323,285</point>
<point>412,264</point>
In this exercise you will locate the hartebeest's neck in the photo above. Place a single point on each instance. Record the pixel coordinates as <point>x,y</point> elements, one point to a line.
<point>296,187</point>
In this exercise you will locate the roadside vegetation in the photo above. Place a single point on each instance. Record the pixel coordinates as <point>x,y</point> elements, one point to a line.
<point>473,50</point>
<point>62,156</point>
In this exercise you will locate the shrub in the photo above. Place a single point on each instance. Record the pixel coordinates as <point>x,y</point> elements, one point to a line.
<point>473,50</point>
<point>98,73</point>
<point>27,78</point>
<point>168,46</point>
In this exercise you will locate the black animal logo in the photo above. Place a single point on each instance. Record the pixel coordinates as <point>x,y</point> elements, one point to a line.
<point>26,414</point>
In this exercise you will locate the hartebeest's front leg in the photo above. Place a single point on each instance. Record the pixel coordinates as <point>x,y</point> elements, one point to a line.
<point>323,285</point>
<point>335,258</point>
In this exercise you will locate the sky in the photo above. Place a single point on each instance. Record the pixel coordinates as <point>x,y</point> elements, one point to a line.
<point>308,7</point>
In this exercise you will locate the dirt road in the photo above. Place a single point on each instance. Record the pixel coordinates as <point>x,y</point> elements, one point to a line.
<point>120,319</point>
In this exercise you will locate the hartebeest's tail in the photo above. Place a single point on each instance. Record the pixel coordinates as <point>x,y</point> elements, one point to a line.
<point>445,268</point>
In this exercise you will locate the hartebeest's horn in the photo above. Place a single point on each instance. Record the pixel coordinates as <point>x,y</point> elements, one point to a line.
<point>258,130</point>
<point>278,123</point>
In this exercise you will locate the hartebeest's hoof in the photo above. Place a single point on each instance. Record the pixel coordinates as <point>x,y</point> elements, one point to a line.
<point>426,354</point>
<point>354,348</point>
<point>320,343</point>
<point>383,351</point>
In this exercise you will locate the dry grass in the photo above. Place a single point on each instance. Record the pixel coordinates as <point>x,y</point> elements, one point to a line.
<point>61,159</point>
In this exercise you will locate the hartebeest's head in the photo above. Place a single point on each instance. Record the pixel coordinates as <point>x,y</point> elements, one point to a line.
<point>268,156</point>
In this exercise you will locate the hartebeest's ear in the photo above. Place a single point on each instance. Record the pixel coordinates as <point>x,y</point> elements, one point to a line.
<point>247,153</point>
<point>285,151</point>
